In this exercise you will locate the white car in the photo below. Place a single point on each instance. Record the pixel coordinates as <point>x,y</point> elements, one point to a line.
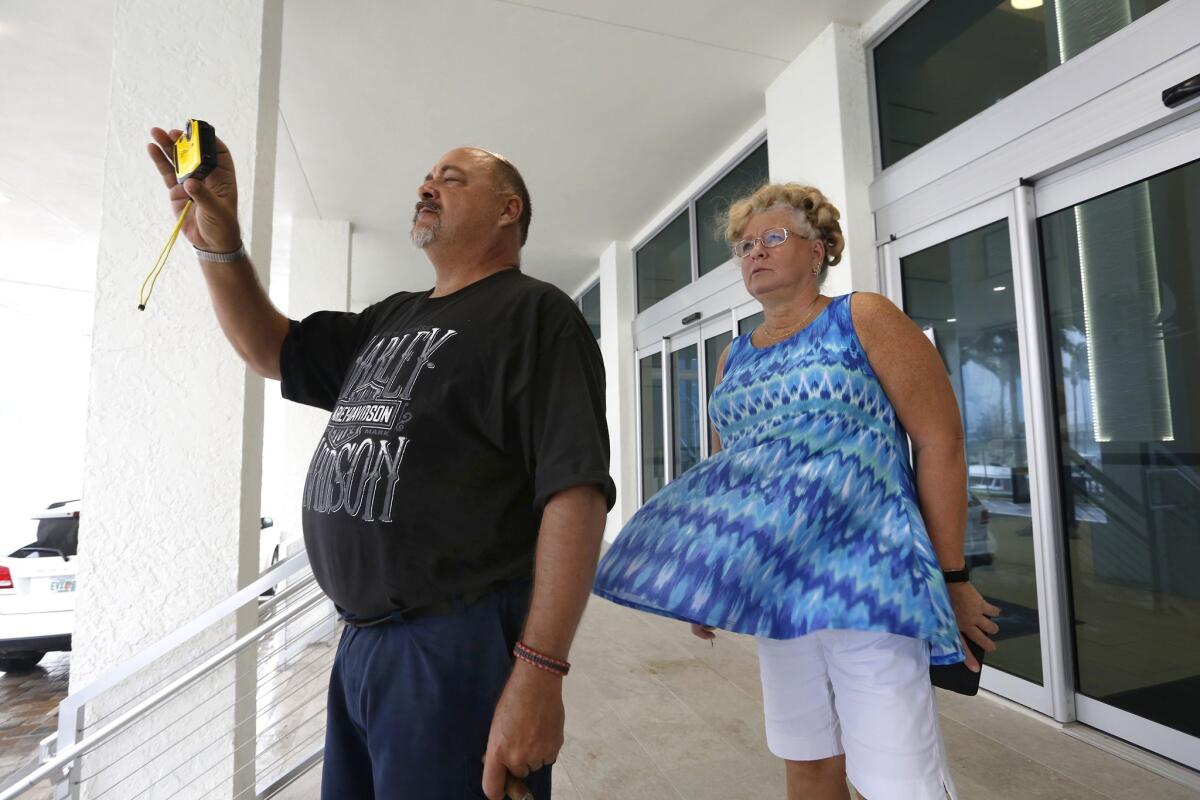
<point>37,590</point>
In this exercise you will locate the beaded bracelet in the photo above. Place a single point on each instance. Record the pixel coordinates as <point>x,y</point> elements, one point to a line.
<point>541,660</point>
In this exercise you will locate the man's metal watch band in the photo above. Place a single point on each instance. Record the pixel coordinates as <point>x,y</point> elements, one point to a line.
<point>223,258</point>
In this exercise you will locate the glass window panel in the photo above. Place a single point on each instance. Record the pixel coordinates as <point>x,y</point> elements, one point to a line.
<point>748,324</point>
<point>954,58</point>
<point>713,205</point>
<point>590,305</point>
<point>664,264</point>
<point>961,293</point>
<point>1123,283</point>
<point>685,409</point>
<point>653,460</point>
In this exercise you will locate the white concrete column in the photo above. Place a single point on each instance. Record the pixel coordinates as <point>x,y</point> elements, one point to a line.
<point>819,128</point>
<point>172,472</point>
<point>318,280</point>
<point>616,346</point>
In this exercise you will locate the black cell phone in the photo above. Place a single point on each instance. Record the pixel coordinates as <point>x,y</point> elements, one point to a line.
<point>957,677</point>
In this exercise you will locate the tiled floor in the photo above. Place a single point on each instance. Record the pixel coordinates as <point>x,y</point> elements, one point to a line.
<point>28,709</point>
<point>655,714</point>
<point>29,712</point>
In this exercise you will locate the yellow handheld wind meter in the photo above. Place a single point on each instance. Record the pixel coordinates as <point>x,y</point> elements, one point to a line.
<point>195,151</point>
<point>195,156</point>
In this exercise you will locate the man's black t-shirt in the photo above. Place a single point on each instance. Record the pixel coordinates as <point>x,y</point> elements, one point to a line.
<point>454,419</point>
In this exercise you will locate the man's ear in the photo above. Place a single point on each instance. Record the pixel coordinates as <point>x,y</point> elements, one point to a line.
<point>510,213</point>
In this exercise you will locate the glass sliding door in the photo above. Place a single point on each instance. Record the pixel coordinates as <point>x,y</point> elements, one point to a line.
<point>958,280</point>
<point>748,323</point>
<point>673,399</point>
<point>714,346</point>
<point>961,293</point>
<point>687,425</point>
<point>652,424</point>
<point>1067,313</point>
<point>1122,274</point>
<point>695,354</point>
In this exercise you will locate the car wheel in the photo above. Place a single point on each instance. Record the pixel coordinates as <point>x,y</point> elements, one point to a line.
<point>20,662</point>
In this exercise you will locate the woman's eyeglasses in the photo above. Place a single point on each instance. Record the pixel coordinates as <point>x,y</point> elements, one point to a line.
<point>772,237</point>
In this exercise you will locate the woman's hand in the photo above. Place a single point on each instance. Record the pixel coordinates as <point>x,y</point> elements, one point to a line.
<point>703,632</point>
<point>974,616</point>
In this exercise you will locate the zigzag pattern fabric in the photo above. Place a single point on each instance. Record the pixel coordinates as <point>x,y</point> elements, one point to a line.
<point>806,519</point>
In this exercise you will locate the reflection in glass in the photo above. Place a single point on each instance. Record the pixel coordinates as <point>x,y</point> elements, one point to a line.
<point>664,264</point>
<point>712,206</point>
<point>955,58</point>
<point>961,293</point>
<point>685,409</point>
<point>748,324</point>
<point>1123,283</point>
<point>589,304</point>
<point>654,474</point>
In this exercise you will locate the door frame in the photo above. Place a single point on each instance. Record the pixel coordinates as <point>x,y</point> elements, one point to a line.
<point>724,319</point>
<point>673,344</point>
<point>1161,150</point>
<point>1055,695</point>
<point>638,355</point>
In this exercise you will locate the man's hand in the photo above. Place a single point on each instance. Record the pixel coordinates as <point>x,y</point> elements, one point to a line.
<point>527,728</point>
<point>212,224</point>
<point>974,617</point>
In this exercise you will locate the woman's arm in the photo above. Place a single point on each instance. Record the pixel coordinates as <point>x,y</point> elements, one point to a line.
<point>914,379</point>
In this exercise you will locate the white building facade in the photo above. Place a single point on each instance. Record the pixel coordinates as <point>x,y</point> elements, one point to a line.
<point>1024,180</point>
<point>1021,176</point>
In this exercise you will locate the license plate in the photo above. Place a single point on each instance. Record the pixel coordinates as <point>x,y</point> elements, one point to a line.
<point>67,585</point>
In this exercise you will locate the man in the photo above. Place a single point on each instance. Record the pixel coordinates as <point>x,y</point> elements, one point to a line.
<point>464,468</point>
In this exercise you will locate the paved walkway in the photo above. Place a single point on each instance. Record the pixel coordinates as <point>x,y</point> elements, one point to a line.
<point>29,711</point>
<point>655,714</point>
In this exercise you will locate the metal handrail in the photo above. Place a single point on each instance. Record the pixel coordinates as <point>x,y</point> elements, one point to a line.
<point>69,708</point>
<point>309,761</point>
<point>186,632</point>
<point>155,700</point>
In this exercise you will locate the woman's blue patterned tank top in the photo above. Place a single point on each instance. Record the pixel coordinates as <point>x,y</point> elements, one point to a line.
<point>806,519</point>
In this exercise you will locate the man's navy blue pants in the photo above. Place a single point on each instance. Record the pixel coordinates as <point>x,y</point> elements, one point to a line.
<point>411,702</point>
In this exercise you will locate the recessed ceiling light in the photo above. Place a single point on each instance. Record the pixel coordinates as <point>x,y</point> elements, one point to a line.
<point>952,319</point>
<point>999,288</point>
<point>1025,5</point>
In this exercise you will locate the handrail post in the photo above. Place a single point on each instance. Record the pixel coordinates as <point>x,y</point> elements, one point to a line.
<point>70,729</point>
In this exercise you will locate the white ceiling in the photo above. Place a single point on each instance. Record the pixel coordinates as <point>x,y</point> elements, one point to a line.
<point>608,108</point>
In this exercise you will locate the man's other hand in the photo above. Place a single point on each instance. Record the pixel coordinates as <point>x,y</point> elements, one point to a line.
<point>527,728</point>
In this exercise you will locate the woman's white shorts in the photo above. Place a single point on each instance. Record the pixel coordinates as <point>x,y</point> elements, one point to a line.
<point>862,693</point>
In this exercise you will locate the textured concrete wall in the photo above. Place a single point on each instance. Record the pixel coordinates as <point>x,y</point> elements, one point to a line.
<point>173,454</point>
<point>819,129</point>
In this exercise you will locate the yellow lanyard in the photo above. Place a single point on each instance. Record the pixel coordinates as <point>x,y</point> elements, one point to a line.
<point>152,278</point>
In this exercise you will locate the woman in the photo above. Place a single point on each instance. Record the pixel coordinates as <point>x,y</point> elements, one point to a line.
<point>807,528</point>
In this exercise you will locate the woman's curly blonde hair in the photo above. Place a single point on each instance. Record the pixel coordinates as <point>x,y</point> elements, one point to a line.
<point>816,217</point>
